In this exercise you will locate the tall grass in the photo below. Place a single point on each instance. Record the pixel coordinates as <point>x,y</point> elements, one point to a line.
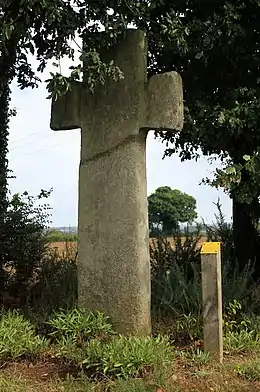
<point>176,272</point>
<point>55,285</point>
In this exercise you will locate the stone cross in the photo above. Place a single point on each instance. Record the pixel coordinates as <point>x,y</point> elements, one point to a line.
<point>212,298</point>
<point>113,248</point>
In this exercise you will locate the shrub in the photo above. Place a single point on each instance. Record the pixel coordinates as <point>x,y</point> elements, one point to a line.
<point>124,357</point>
<point>22,242</point>
<point>18,337</point>
<point>221,231</point>
<point>55,285</point>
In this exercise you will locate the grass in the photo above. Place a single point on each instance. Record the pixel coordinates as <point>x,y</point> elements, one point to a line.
<point>249,370</point>
<point>186,376</point>
<point>48,349</point>
<point>18,338</point>
<point>79,351</point>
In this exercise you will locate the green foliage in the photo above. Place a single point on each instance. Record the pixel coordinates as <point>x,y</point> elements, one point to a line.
<point>221,231</point>
<point>22,241</point>
<point>4,125</point>
<point>242,341</point>
<point>55,235</point>
<point>249,370</point>
<point>125,357</point>
<point>175,274</point>
<point>221,105</point>
<point>176,268</point>
<point>239,332</point>
<point>234,320</point>
<point>222,101</point>
<point>194,356</point>
<point>18,338</point>
<point>168,207</point>
<point>79,326</point>
<point>55,284</point>
<point>181,329</point>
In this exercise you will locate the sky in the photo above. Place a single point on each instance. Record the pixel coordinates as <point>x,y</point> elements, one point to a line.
<point>43,159</point>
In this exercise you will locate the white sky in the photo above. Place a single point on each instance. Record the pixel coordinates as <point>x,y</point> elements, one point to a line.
<point>42,159</point>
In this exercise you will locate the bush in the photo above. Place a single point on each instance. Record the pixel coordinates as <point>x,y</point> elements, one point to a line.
<point>23,243</point>
<point>55,285</point>
<point>18,338</point>
<point>222,231</point>
<point>125,357</point>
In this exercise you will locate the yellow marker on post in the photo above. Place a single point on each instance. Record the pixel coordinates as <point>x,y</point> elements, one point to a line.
<point>210,248</point>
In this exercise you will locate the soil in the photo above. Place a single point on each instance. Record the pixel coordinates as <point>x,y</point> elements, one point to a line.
<point>41,370</point>
<point>186,376</point>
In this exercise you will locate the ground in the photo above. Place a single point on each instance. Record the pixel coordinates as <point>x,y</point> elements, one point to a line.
<point>51,376</point>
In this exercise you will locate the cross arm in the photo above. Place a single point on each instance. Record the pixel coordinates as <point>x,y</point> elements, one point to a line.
<point>165,102</point>
<point>65,111</point>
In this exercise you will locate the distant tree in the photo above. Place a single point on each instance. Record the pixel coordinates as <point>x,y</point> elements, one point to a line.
<point>167,208</point>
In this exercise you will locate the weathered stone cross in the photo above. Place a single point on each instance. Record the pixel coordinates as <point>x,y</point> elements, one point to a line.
<point>113,249</point>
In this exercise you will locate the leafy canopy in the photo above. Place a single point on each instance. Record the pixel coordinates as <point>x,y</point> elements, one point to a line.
<point>216,51</point>
<point>213,45</point>
<point>168,207</point>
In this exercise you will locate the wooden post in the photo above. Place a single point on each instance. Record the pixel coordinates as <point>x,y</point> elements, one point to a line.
<point>212,299</point>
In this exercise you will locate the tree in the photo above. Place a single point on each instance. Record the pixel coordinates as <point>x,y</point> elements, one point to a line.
<point>168,207</point>
<point>215,47</point>
<point>25,27</point>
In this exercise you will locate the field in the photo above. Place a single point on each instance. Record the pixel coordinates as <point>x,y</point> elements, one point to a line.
<point>71,247</point>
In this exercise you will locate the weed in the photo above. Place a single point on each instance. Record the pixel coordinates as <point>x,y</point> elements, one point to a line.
<point>194,356</point>
<point>234,320</point>
<point>175,270</point>
<point>134,385</point>
<point>18,337</point>
<point>250,370</point>
<point>124,357</point>
<point>181,330</point>
<point>188,328</point>
<point>79,326</point>
<point>242,341</point>
<point>199,357</point>
<point>56,286</point>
